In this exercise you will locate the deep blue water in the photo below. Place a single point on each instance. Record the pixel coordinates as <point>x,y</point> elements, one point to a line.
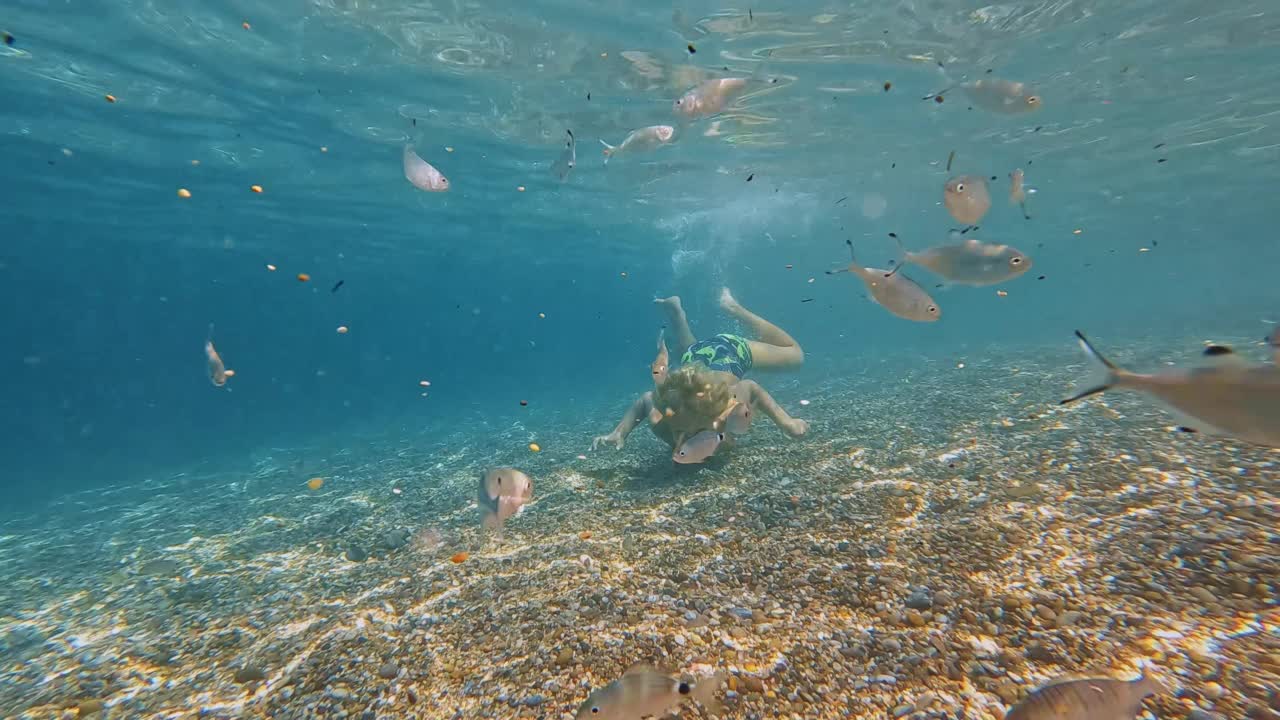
<point>108,279</point>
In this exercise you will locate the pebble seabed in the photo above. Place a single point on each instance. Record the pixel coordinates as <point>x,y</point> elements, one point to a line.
<point>920,554</point>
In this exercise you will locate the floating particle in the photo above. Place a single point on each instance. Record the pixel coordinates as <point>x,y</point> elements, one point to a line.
<point>959,366</point>
<point>810,279</point>
<point>524,403</point>
<point>448,148</point>
<point>1158,146</point>
<point>582,457</point>
<point>1040,278</point>
<point>245,25</point>
<point>184,193</point>
<point>588,97</point>
<point>750,177</point>
<point>343,329</point>
<point>789,266</point>
<point>1142,250</point>
<point>1077,231</point>
<point>534,447</point>
<point>691,48</point>
<point>459,557</point>
<point>8,39</point>
<point>888,86</point>
<point>337,285</point>
<point>324,148</point>
<point>195,163</point>
<point>1162,160</point>
<point>584,535</point>
<point>395,491</point>
<point>315,483</point>
<point>542,316</point>
<point>303,277</point>
<point>424,383</point>
<point>67,152</point>
<point>256,188</point>
<point>846,197</point>
<point>604,54</point>
<point>110,98</point>
<point>938,99</point>
<point>804,402</point>
<point>519,188</point>
<point>807,300</point>
<point>950,158</point>
<point>1002,293</point>
<point>623,273</point>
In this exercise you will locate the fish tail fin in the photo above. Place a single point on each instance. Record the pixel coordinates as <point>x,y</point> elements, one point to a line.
<point>1102,373</point>
<point>704,692</point>
<point>609,150</point>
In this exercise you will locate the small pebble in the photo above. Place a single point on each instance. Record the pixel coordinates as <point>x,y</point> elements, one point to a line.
<point>388,671</point>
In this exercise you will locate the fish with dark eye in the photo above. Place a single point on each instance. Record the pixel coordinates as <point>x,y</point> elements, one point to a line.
<point>503,492</point>
<point>422,174</point>
<point>1224,397</point>
<point>970,262</point>
<point>709,97</point>
<point>661,364</point>
<point>893,290</point>
<point>1006,97</point>
<point>1086,699</point>
<point>643,692</point>
<point>967,199</point>
<point>698,448</point>
<point>568,159</point>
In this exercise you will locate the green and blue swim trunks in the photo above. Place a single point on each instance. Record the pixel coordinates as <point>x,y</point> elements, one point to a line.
<point>725,352</point>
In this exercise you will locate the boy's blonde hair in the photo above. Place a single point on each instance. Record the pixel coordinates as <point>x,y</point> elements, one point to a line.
<point>695,396</point>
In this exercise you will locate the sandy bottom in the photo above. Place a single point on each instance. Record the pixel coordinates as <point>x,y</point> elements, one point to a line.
<point>935,548</point>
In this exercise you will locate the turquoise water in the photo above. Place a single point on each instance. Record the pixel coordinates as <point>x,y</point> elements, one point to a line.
<point>1151,229</point>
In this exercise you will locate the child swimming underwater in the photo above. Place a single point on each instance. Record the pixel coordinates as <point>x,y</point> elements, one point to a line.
<point>702,404</point>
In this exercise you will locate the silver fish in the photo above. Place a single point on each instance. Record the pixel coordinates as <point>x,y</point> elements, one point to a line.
<point>971,262</point>
<point>698,448</point>
<point>643,692</point>
<point>967,199</point>
<point>421,173</point>
<point>737,419</point>
<point>503,492</point>
<point>568,159</point>
<point>1086,699</point>
<point>661,363</point>
<point>1002,96</point>
<point>1226,398</point>
<point>218,372</point>
<point>645,138</point>
<point>708,98</point>
<point>894,291</point>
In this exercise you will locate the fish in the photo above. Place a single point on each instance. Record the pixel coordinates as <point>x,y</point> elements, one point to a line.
<point>218,372</point>
<point>1017,192</point>
<point>660,363</point>
<point>966,198</point>
<point>736,419</point>
<point>970,262</point>
<point>1002,96</point>
<point>646,138</point>
<point>698,448</point>
<point>643,692</point>
<point>337,285</point>
<point>708,97</point>
<point>1086,699</point>
<point>568,159</point>
<point>503,492</point>
<point>1225,397</point>
<point>894,291</point>
<point>422,174</point>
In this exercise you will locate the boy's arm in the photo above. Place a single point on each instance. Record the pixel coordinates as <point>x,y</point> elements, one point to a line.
<point>760,399</point>
<point>638,410</point>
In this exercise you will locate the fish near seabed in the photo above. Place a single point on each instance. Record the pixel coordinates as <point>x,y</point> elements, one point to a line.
<point>967,199</point>
<point>894,291</point>
<point>708,97</point>
<point>970,262</point>
<point>646,138</point>
<point>1086,699</point>
<point>643,692</point>
<point>218,372</point>
<point>423,174</point>
<point>1226,397</point>
<point>568,159</point>
<point>698,448</point>
<point>503,492</point>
